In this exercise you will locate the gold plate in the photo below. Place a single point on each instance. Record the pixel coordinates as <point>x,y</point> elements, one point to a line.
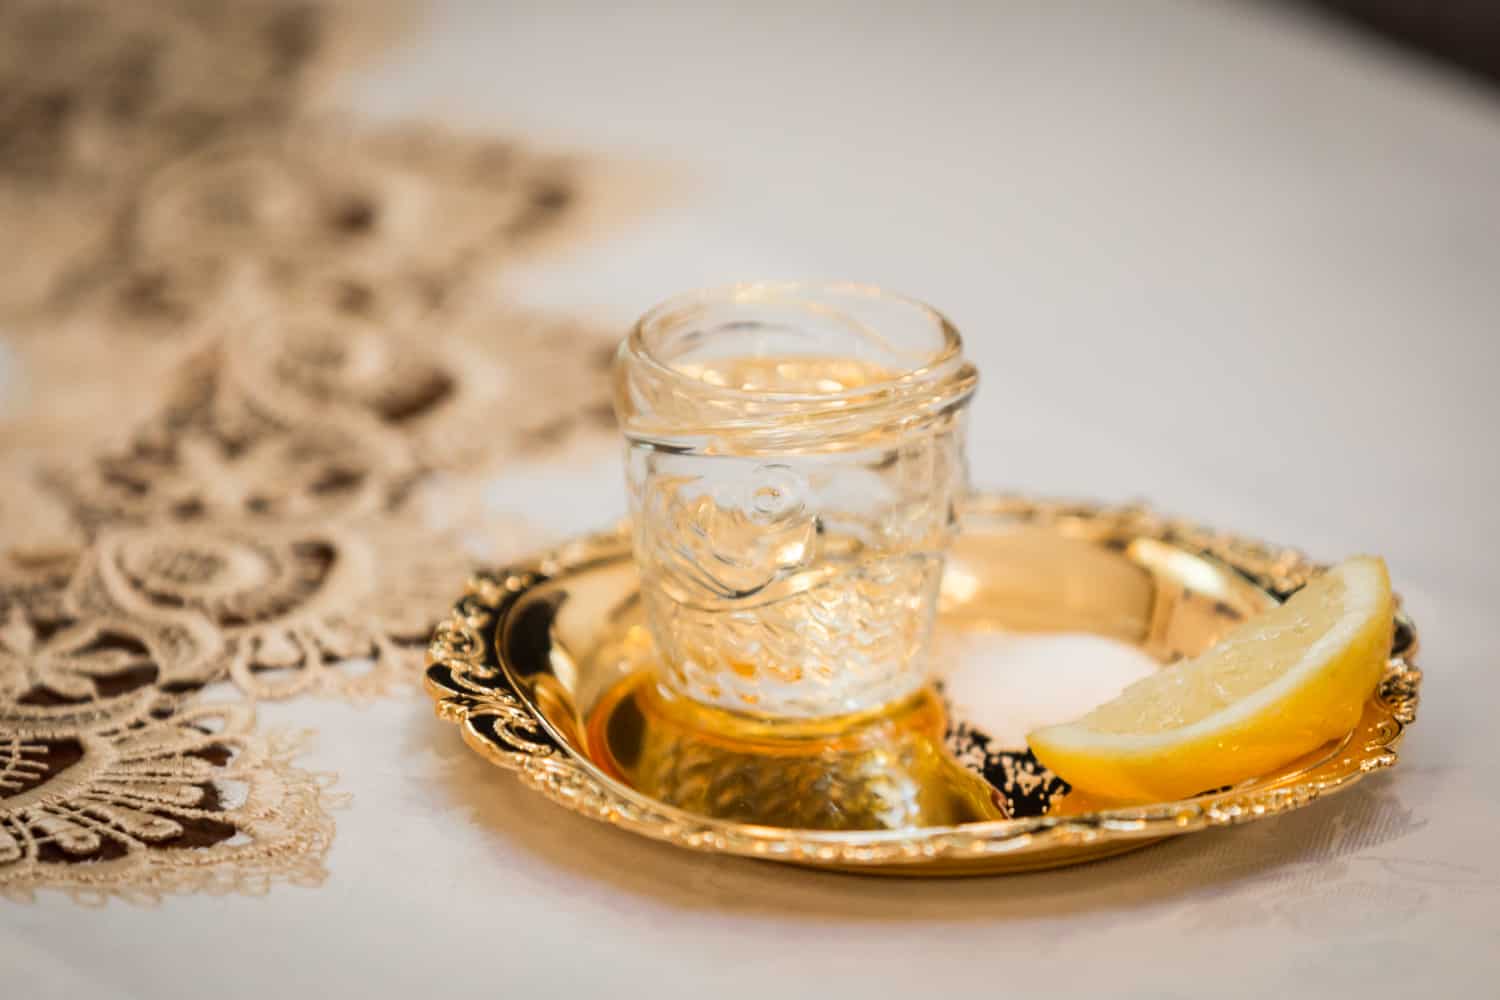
<point>537,666</point>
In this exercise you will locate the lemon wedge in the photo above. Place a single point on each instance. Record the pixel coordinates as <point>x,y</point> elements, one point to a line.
<point>1275,688</point>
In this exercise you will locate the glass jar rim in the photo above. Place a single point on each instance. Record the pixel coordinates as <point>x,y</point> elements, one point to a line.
<point>940,361</point>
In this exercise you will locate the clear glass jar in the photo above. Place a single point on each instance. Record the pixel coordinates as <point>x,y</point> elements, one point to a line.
<point>794,456</point>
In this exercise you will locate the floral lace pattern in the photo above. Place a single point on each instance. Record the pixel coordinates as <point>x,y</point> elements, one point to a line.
<point>252,341</point>
<point>136,798</point>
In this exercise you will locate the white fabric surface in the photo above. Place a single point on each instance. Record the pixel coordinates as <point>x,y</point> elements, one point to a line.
<point>1212,255</point>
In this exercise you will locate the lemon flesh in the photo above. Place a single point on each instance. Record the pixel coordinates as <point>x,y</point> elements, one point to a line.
<point>1275,688</point>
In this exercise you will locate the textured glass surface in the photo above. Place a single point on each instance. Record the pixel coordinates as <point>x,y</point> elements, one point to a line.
<point>792,508</point>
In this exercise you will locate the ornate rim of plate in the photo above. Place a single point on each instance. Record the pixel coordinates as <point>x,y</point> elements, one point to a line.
<point>470,683</point>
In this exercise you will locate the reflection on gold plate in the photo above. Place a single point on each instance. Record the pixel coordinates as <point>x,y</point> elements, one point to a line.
<point>545,667</point>
<point>888,771</point>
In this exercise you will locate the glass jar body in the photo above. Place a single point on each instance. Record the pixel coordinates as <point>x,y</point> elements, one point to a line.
<point>791,510</point>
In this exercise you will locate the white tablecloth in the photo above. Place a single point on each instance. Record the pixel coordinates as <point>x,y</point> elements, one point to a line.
<point>1214,255</point>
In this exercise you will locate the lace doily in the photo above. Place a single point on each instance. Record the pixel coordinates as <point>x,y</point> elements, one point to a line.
<point>246,338</point>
